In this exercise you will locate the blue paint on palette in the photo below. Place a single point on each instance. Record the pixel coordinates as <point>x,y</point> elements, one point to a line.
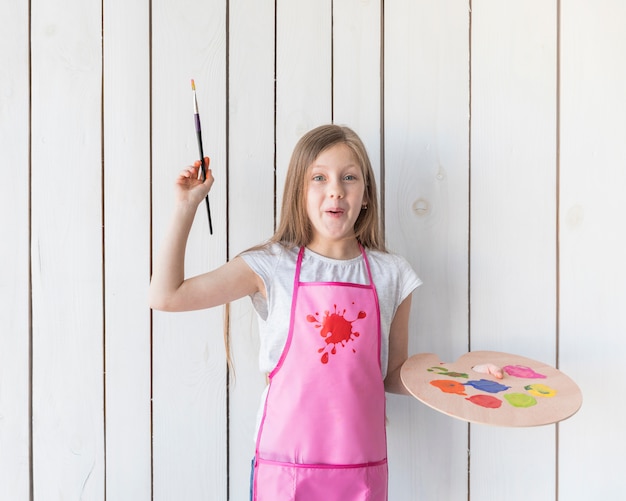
<point>488,386</point>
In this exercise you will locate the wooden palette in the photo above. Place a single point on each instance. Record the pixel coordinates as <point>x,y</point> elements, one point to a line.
<point>530,394</point>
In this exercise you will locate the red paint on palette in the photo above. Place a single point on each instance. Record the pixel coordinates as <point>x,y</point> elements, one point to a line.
<point>485,401</point>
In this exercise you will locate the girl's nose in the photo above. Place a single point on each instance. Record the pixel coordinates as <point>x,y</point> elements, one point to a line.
<point>335,189</point>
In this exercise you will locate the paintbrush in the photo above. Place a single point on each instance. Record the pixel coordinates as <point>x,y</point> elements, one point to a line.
<point>196,116</point>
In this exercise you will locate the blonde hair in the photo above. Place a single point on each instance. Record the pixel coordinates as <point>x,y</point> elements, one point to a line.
<point>294,229</point>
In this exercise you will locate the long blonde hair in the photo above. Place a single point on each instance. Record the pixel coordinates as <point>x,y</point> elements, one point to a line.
<point>294,229</point>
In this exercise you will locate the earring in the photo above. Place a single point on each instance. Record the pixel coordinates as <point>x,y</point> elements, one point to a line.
<point>364,207</point>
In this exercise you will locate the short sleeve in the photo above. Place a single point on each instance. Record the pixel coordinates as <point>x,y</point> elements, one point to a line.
<point>408,279</point>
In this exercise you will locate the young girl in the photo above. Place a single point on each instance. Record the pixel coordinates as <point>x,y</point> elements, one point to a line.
<point>333,309</point>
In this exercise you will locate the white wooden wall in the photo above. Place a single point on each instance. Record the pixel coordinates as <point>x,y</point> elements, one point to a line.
<point>496,128</point>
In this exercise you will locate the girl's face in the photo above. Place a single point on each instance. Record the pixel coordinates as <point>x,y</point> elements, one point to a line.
<point>335,193</point>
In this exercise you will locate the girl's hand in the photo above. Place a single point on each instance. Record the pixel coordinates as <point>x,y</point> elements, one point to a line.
<point>189,187</point>
<point>492,369</point>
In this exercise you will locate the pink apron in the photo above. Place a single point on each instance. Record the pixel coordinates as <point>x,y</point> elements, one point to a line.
<point>322,435</point>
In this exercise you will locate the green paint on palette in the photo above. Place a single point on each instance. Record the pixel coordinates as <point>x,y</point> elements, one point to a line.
<point>442,371</point>
<point>520,400</point>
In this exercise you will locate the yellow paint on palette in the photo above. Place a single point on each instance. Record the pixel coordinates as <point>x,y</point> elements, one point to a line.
<point>540,390</point>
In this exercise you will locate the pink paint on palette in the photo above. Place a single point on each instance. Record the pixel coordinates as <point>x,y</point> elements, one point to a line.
<point>522,371</point>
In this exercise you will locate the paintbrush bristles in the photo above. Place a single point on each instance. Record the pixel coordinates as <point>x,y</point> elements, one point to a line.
<point>195,101</point>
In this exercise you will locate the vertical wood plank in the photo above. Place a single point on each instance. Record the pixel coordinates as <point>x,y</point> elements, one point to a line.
<point>303,75</point>
<point>426,210</point>
<point>593,245</point>
<point>68,426</point>
<point>189,369</point>
<point>14,266</point>
<point>250,211</point>
<point>357,75</point>
<point>513,225</point>
<point>127,248</point>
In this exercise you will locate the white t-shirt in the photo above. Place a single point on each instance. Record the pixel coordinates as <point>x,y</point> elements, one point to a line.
<point>393,278</point>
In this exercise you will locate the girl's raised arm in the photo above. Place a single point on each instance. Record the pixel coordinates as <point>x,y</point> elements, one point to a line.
<point>169,290</point>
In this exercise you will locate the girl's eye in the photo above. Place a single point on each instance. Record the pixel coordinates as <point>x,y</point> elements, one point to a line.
<point>350,177</point>
<point>319,177</point>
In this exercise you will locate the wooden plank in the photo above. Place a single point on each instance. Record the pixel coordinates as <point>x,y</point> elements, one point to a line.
<point>357,79</point>
<point>250,211</point>
<point>127,249</point>
<point>189,369</point>
<point>14,254</point>
<point>68,427</point>
<point>592,245</point>
<point>303,75</point>
<point>513,230</point>
<point>426,212</point>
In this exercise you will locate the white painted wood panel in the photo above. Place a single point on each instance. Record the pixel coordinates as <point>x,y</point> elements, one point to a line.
<point>593,245</point>
<point>67,296</point>
<point>127,249</point>
<point>89,283</point>
<point>14,254</point>
<point>357,72</point>
<point>250,211</point>
<point>426,193</point>
<point>513,226</point>
<point>303,76</point>
<point>189,370</point>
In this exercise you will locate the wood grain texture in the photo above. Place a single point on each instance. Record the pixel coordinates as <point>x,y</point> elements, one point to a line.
<point>497,179</point>
<point>593,243</point>
<point>513,224</point>
<point>189,368</point>
<point>67,254</point>
<point>303,76</point>
<point>14,254</point>
<point>251,193</point>
<point>426,215</point>
<point>127,250</point>
<point>357,76</point>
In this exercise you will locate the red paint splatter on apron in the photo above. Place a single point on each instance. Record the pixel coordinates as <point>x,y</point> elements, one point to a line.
<point>335,329</point>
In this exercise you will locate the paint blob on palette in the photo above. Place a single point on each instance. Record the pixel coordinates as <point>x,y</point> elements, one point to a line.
<point>531,393</point>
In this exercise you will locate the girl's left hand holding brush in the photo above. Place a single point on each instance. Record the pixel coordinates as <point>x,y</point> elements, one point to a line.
<point>190,189</point>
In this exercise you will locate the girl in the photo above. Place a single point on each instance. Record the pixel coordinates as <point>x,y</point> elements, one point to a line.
<point>333,309</point>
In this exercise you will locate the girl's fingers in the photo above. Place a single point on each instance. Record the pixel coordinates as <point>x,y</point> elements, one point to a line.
<point>191,171</point>
<point>191,176</point>
<point>207,162</point>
